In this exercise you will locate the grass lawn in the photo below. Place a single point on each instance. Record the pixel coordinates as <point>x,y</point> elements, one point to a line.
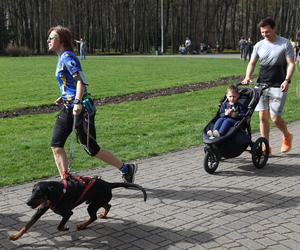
<point>131,130</point>
<point>30,81</point>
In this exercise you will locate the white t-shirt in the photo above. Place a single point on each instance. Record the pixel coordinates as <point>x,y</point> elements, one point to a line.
<point>273,53</point>
<point>187,42</point>
<point>272,57</point>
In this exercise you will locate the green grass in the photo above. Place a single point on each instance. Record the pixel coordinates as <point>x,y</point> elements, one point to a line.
<point>30,81</point>
<point>131,130</point>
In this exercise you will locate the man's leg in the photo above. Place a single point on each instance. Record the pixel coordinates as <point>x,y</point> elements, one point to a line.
<point>287,136</point>
<point>61,161</point>
<point>264,125</point>
<point>277,102</point>
<point>280,124</point>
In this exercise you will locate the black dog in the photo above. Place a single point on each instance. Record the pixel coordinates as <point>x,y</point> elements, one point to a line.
<point>63,196</point>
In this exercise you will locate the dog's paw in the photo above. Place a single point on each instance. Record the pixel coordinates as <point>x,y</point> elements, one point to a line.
<point>102,215</point>
<point>81,226</point>
<point>13,237</point>
<point>17,235</point>
<point>84,224</point>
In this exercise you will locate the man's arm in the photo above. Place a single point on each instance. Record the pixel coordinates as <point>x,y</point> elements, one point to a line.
<point>249,71</point>
<point>289,73</point>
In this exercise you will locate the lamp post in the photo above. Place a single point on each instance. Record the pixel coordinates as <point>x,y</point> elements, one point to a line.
<point>162,25</point>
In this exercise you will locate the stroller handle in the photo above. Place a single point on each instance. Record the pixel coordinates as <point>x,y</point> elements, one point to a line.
<point>262,85</point>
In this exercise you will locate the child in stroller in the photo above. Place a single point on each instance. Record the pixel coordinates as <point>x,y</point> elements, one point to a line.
<point>231,111</point>
<point>238,135</point>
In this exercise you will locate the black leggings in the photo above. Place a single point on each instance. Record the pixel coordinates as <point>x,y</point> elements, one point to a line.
<point>63,128</point>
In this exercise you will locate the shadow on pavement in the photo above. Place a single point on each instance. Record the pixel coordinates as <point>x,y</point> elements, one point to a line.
<point>103,234</point>
<point>229,194</point>
<point>270,170</point>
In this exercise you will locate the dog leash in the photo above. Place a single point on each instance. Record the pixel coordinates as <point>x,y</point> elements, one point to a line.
<point>72,144</point>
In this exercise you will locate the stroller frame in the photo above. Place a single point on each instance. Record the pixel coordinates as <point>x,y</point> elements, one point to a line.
<point>239,137</point>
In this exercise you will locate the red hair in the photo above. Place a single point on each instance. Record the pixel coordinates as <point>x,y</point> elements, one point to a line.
<point>65,36</point>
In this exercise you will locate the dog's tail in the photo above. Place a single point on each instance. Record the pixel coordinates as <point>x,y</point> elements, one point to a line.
<point>130,186</point>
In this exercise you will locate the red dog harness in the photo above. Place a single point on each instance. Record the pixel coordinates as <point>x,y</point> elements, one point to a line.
<point>84,182</point>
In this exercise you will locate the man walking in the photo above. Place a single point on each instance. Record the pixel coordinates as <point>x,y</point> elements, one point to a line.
<point>242,44</point>
<point>277,64</point>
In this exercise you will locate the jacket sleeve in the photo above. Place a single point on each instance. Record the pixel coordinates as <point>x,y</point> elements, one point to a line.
<point>222,110</point>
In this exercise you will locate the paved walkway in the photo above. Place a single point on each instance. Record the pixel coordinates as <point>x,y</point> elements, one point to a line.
<point>220,55</point>
<point>239,207</point>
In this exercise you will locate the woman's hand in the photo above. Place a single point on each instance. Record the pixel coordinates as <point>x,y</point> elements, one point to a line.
<point>59,101</point>
<point>77,109</point>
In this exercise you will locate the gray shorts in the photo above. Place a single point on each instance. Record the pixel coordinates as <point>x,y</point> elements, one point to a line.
<point>272,99</point>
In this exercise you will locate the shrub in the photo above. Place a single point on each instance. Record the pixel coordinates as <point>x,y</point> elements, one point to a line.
<point>108,53</point>
<point>13,50</point>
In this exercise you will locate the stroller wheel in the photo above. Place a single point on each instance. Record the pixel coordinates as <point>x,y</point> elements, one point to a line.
<point>260,152</point>
<point>211,162</point>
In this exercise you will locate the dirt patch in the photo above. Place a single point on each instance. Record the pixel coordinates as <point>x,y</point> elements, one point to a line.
<point>138,96</point>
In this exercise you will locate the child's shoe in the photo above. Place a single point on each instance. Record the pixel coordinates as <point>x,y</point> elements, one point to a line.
<point>209,133</point>
<point>216,133</point>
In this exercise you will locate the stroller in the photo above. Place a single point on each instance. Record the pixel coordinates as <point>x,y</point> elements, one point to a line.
<point>238,138</point>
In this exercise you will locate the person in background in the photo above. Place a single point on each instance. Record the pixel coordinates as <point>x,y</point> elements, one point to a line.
<point>277,64</point>
<point>76,102</point>
<point>248,49</point>
<point>188,45</point>
<point>82,47</point>
<point>242,44</point>
<point>181,49</point>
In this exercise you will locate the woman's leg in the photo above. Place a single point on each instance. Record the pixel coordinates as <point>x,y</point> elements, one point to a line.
<point>109,158</point>
<point>61,131</point>
<point>61,161</point>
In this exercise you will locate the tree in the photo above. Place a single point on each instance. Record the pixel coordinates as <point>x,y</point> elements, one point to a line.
<point>131,26</point>
<point>4,31</point>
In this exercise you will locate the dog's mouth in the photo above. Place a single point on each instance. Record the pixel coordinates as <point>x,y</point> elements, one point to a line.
<point>33,203</point>
<point>33,206</point>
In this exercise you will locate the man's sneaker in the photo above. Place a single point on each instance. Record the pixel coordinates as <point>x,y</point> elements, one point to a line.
<point>286,144</point>
<point>129,176</point>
